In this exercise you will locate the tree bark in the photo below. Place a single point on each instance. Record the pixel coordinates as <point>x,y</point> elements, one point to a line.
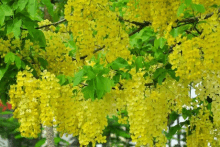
<point>50,136</point>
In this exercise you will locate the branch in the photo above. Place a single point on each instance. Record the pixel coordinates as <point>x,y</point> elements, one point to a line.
<point>135,22</point>
<point>195,19</point>
<point>149,84</point>
<point>136,31</point>
<point>52,24</point>
<point>83,57</point>
<point>141,24</point>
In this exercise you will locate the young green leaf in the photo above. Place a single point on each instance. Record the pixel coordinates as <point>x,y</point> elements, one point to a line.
<point>40,142</point>
<point>39,36</point>
<point>78,77</point>
<point>49,6</point>
<point>119,63</point>
<point>57,140</point>
<point>18,136</point>
<point>6,113</point>
<point>43,62</point>
<point>159,42</point>
<point>161,77</point>
<point>2,16</point>
<point>158,72</point>
<point>7,10</point>
<point>31,7</point>
<point>89,91</point>
<point>22,4</point>
<point>188,2</point>
<point>17,28</point>
<point>181,9</point>
<point>62,79</point>
<point>9,57</point>
<point>18,62</point>
<point>198,7</point>
<point>139,63</point>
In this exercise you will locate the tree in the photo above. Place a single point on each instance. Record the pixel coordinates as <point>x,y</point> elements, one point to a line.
<point>109,56</point>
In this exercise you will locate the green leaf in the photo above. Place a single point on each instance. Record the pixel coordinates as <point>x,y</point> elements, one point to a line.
<point>78,77</point>
<point>6,112</point>
<point>7,10</point>
<point>100,82</point>
<point>159,42</point>
<point>173,74</point>
<point>89,91</point>
<point>188,2</point>
<point>172,131</point>
<point>40,142</point>
<point>161,77</point>
<point>39,36</point>
<point>9,26</point>
<point>116,78</point>
<point>62,79</point>
<point>119,63</point>
<point>43,62</point>
<point>57,140</point>
<point>15,5</point>
<point>3,98</point>
<point>9,57</point>
<point>186,113</point>
<point>23,65</point>
<point>18,136</point>
<point>18,62</point>
<point>158,72</point>
<point>103,85</point>
<point>3,70</point>
<point>1,74</point>
<point>181,9</point>
<point>31,8</point>
<point>173,116</point>
<point>88,70</point>
<point>65,141</point>
<point>22,4</point>
<point>108,84</point>
<point>139,63</point>
<point>49,6</point>
<point>2,16</point>
<point>17,28</point>
<point>198,7</point>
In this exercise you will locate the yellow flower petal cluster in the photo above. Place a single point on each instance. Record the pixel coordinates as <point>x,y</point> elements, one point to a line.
<point>40,101</point>
<point>160,12</point>
<point>203,134</point>
<point>147,111</point>
<point>34,100</point>
<point>94,26</point>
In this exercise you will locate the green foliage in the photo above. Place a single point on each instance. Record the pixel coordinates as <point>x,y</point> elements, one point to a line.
<point>21,4</point>
<point>119,63</point>
<point>32,8</point>
<point>181,9</point>
<point>118,130</point>
<point>49,6</point>
<point>40,142</point>
<point>198,8</point>
<point>188,2</point>
<point>43,62</point>
<point>10,57</point>
<point>7,10</point>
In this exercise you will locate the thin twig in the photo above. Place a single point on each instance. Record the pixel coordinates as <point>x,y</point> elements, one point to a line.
<point>195,19</point>
<point>83,57</point>
<point>135,22</point>
<point>52,24</point>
